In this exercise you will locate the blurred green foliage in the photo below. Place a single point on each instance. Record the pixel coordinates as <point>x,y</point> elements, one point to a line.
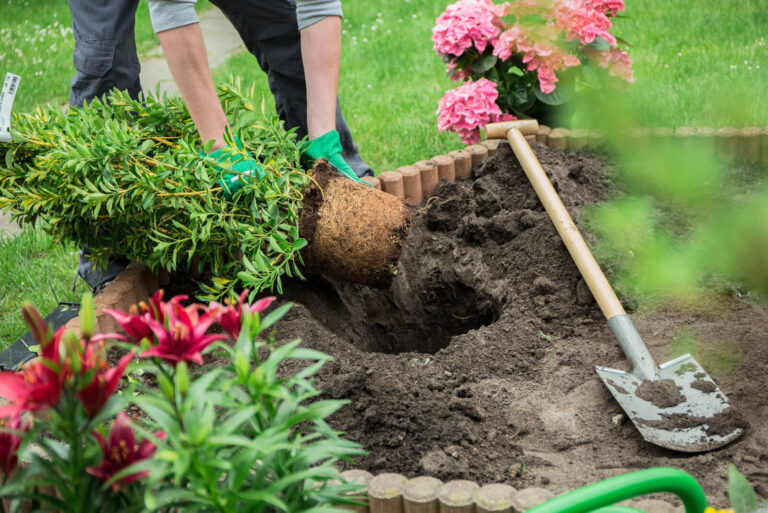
<point>687,216</point>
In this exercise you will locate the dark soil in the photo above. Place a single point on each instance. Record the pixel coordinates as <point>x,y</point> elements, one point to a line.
<point>722,424</point>
<point>662,394</point>
<point>703,385</point>
<point>478,362</point>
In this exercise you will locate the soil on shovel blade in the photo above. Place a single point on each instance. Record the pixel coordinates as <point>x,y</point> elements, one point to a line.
<point>478,362</point>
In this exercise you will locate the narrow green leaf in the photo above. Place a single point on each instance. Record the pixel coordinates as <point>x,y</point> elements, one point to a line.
<point>740,492</point>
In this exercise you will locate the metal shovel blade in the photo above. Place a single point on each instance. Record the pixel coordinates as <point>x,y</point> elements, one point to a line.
<point>684,410</point>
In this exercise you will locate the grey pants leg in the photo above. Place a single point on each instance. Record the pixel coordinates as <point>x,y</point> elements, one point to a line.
<point>271,33</point>
<point>105,58</point>
<point>105,49</point>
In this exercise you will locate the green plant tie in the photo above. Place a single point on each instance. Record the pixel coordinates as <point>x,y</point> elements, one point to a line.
<point>634,484</point>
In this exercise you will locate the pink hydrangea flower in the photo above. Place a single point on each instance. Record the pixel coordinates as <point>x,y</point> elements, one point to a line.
<point>618,63</point>
<point>465,24</point>
<point>540,52</point>
<point>583,22</point>
<point>610,7</point>
<point>468,108</point>
<point>509,42</point>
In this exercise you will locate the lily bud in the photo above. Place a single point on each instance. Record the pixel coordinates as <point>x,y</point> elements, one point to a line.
<point>87,317</point>
<point>182,378</point>
<point>36,323</point>
<point>166,386</point>
<point>73,351</point>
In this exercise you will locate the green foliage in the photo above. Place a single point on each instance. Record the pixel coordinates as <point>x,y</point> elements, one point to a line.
<point>242,438</point>
<point>127,176</point>
<point>689,217</point>
<point>740,492</point>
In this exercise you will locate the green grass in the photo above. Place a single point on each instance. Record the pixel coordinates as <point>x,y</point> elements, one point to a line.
<point>698,62</point>
<point>33,268</point>
<point>36,43</point>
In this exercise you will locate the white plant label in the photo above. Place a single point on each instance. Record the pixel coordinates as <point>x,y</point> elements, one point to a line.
<point>7,95</point>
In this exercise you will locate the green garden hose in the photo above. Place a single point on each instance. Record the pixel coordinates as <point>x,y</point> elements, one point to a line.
<point>616,489</point>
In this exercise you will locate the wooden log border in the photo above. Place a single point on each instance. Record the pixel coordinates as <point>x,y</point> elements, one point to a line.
<point>394,493</point>
<point>748,144</point>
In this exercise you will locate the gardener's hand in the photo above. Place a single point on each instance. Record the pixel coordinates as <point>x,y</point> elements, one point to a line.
<point>240,167</point>
<point>328,147</point>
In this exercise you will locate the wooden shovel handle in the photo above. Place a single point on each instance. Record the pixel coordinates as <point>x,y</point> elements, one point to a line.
<point>590,270</point>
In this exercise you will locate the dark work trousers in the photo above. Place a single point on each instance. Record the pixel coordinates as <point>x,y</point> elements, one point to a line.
<point>105,58</point>
<point>270,32</point>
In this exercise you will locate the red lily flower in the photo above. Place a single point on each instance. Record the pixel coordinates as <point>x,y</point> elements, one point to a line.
<point>9,443</point>
<point>231,316</point>
<point>37,387</point>
<point>182,337</point>
<point>134,323</point>
<point>105,381</point>
<point>120,451</point>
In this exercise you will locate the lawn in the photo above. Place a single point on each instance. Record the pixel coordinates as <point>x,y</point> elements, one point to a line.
<point>33,268</point>
<point>37,44</point>
<point>697,63</point>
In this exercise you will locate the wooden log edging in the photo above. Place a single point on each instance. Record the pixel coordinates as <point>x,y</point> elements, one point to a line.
<point>748,144</point>
<point>394,493</point>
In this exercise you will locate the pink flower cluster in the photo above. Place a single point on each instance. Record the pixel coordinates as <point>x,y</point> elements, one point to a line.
<point>585,20</point>
<point>618,63</point>
<point>540,52</point>
<point>179,333</point>
<point>465,24</point>
<point>546,37</point>
<point>610,7</point>
<point>468,108</point>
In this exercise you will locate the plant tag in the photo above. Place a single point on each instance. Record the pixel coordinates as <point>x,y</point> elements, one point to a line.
<point>7,95</point>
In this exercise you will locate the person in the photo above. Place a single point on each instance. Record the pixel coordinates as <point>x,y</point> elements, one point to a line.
<point>105,57</point>
<point>319,23</point>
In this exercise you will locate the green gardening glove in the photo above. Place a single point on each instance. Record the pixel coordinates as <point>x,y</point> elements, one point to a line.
<point>328,147</point>
<point>241,167</point>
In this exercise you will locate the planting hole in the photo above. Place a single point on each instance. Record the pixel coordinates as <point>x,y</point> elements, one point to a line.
<point>401,319</point>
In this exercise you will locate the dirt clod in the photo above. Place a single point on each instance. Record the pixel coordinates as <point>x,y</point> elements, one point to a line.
<point>662,393</point>
<point>704,385</point>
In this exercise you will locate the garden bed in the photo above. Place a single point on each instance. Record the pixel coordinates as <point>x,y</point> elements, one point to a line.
<point>478,362</point>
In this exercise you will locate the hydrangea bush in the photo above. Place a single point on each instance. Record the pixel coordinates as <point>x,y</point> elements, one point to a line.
<point>234,438</point>
<point>520,58</point>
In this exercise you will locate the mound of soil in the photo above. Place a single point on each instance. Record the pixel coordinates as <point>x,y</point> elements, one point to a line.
<point>477,363</point>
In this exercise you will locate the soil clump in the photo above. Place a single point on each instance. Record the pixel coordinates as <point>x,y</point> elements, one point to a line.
<point>478,361</point>
<point>662,393</point>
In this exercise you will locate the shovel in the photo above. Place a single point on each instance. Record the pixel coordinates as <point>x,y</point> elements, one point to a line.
<point>675,405</point>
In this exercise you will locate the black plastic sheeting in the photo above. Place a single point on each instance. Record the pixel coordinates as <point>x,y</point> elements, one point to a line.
<point>19,352</point>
